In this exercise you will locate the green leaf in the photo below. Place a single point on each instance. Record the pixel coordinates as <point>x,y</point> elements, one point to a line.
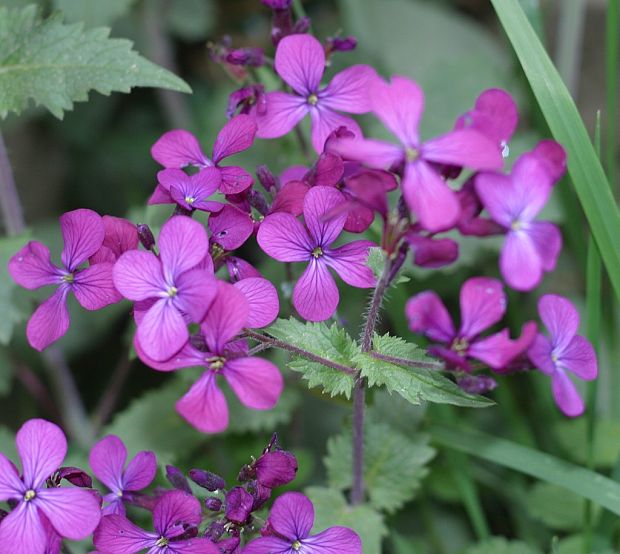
<point>573,432</point>
<point>332,509</point>
<point>567,127</point>
<point>394,464</point>
<point>93,13</point>
<point>500,545</point>
<point>55,64</point>
<point>376,262</point>
<point>11,311</point>
<point>331,343</point>
<point>414,384</point>
<point>585,483</point>
<point>555,507</point>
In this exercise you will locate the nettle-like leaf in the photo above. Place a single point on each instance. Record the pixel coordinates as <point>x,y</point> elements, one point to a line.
<point>394,464</point>
<point>414,384</point>
<point>329,342</point>
<point>54,64</point>
<point>331,508</point>
<point>93,13</point>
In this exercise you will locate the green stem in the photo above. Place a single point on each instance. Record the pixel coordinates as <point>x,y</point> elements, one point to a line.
<point>298,9</point>
<point>12,213</point>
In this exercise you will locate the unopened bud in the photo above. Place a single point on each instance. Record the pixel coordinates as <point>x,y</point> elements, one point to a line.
<point>207,480</point>
<point>146,236</point>
<point>214,504</point>
<point>177,479</point>
<point>252,57</point>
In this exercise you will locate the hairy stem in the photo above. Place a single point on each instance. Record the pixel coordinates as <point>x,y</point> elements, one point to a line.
<point>12,212</point>
<point>110,396</point>
<point>416,364</point>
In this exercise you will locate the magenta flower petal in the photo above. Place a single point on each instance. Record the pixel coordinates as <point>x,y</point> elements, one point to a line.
<point>374,153</point>
<point>178,149</point>
<point>257,382</point>
<point>183,244</point>
<point>73,512</point>
<point>50,320</point>
<point>162,331</point>
<point>31,267</point>
<point>579,357</point>
<point>540,353</point>
<point>140,471</point>
<point>236,136</point>
<point>160,196</point>
<point>22,531</point>
<point>175,508</point>
<point>172,177</point>
<point>428,196</point>
<point>117,535</point>
<point>428,315</point>
<point>315,295</point>
<point>284,238</point>
<point>498,350</point>
<point>466,148</point>
<point>42,447</point>
<point>230,228</point>
<point>566,395</point>
<point>138,275</point>
<point>497,194</point>
<point>292,516</point>
<point>532,184</point>
<point>519,262</point>
<point>399,106</point>
<point>234,179</point>
<point>290,198</point>
<point>263,302</point>
<point>348,90</point>
<point>561,318</point>
<point>548,242</point>
<point>293,173</point>
<point>300,61</point>
<point>120,235</point>
<point>83,233</point>
<point>283,112</point>
<point>483,303</point>
<point>350,262</point>
<point>325,121</point>
<point>194,546</point>
<point>204,405</point>
<point>319,201</point>
<point>94,287</point>
<point>188,356</point>
<point>107,460</point>
<point>553,156</point>
<point>335,540</point>
<point>11,486</point>
<point>225,318</point>
<point>268,545</point>
<point>239,269</point>
<point>432,252</point>
<point>196,290</point>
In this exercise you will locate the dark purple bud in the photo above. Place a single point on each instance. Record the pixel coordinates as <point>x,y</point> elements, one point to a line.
<point>275,469</point>
<point>277,4</point>
<point>214,504</point>
<point>476,384</point>
<point>207,480</point>
<point>258,202</point>
<point>301,25</point>
<point>239,504</point>
<point>244,98</point>
<point>146,236</point>
<point>267,179</point>
<point>215,530</point>
<point>76,477</point>
<point>252,57</point>
<point>177,479</point>
<point>341,44</point>
<point>273,443</point>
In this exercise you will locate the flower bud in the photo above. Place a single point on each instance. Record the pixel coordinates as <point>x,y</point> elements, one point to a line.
<point>239,504</point>
<point>177,479</point>
<point>476,384</point>
<point>302,25</point>
<point>267,179</point>
<point>244,98</point>
<point>252,57</point>
<point>207,480</point>
<point>76,477</point>
<point>146,236</point>
<point>274,469</point>
<point>213,503</point>
<point>341,44</point>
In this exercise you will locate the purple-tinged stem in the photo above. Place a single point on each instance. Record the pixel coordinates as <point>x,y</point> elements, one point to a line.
<point>416,364</point>
<point>31,382</point>
<point>110,396</point>
<point>12,212</point>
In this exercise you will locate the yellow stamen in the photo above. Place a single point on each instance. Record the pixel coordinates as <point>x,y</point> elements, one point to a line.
<point>313,99</point>
<point>317,252</point>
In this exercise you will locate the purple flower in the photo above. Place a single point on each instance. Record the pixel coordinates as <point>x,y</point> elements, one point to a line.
<point>399,105</point>
<point>513,201</point>
<point>252,57</point>
<point>239,504</point>
<point>107,460</point>
<point>262,298</point>
<point>289,524</point>
<point>170,286</point>
<point>256,382</point>
<point>244,98</point>
<point>83,233</point>
<point>191,192</point>
<point>230,228</point>
<point>432,252</point>
<point>120,235</point>
<point>565,351</point>
<point>284,238</point>
<point>300,62</point>
<point>341,44</point>
<point>177,149</point>
<point>483,303</point>
<point>274,469</point>
<point>175,515</point>
<point>41,513</point>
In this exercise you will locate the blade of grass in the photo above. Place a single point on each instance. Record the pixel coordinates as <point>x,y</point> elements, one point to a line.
<point>611,87</point>
<point>567,127</point>
<point>545,467</point>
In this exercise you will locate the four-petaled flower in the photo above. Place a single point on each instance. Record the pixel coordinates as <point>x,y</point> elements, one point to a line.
<point>42,513</point>
<point>288,531</point>
<point>565,351</point>
<point>399,106</point>
<point>83,233</point>
<point>284,238</point>
<point>107,460</point>
<point>483,303</point>
<point>190,192</point>
<point>300,61</point>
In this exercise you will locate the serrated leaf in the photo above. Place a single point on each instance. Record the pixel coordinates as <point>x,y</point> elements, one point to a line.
<point>394,464</point>
<point>331,509</point>
<point>54,64</point>
<point>416,385</point>
<point>12,313</point>
<point>500,545</point>
<point>93,13</point>
<point>331,343</point>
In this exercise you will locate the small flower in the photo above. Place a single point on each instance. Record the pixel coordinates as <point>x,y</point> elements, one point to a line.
<point>107,460</point>
<point>178,149</point>
<point>169,287</point>
<point>565,351</point>
<point>284,238</point>
<point>483,303</point>
<point>289,525</point>
<point>191,192</point>
<point>399,106</point>
<point>83,233</point>
<point>41,513</point>
<point>207,480</point>
<point>120,235</point>
<point>276,468</point>
<point>300,62</point>
<point>245,98</point>
<point>174,516</point>
<point>177,479</point>
<point>513,201</point>
<point>239,504</point>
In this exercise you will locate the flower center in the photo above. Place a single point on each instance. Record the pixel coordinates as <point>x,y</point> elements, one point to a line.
<point>317,252</point>
<point>411,154</point>
<point>162,541</point>
<point>554,358</point>
<point>460,346</point>
<point>29,495</point>
<point>190,199</point>
<point>515,225</point>
<point>172,292</point>
<point>69,278</point>
<point>296,546</point>
<point>216,363</point>
<point>313,99</point>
